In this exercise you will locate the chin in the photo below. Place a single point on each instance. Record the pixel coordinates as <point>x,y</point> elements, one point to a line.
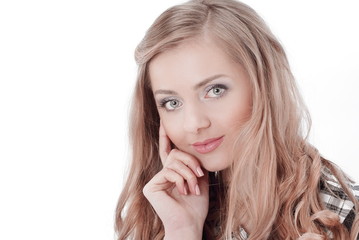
<point>214,168</point>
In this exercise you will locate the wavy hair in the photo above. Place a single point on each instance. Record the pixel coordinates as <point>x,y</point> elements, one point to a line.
<point>275,176</point>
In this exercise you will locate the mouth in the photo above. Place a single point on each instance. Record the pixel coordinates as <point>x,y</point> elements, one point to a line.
<point>208,146</point>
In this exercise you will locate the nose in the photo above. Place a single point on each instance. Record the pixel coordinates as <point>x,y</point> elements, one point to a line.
<point>195,119</point>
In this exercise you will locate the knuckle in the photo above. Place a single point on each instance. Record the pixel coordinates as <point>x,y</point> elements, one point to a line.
<point>189,160</point>
<point>168,166</point>
<point>167,160</point>
<point>172,163</point>
<point>166,170</point>
<point>169,172</point>
<point>172,152</point>
<point>145,190</point>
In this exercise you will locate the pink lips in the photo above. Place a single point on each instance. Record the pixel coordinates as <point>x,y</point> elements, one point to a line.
<point>207,146</point>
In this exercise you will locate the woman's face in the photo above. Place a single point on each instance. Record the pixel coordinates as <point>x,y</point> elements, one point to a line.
<point>201,95</point>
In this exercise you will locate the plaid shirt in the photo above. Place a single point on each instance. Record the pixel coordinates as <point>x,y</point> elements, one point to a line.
<point>334,198</point>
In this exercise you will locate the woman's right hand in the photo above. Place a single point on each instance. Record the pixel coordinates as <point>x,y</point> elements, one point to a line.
<point>179,192</point>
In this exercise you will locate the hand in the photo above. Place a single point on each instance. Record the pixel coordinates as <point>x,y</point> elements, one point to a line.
<point>179,192</point>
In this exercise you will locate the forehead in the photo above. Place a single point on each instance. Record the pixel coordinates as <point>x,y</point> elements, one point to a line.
<point>190,62</point>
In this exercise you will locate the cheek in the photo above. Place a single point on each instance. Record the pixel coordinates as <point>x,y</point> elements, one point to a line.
<point>240,109</point>
<point>232,113</point>
<point>173,131</point>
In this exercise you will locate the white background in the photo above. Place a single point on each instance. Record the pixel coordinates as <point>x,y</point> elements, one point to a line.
<point>66,75</point>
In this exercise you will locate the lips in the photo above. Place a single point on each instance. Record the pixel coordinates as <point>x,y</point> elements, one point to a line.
<point>208,146</point>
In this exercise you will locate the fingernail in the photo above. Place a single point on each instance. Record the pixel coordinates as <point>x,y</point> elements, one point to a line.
<point>185,191</point>
<point>197,190</point>
<point>199,171</point>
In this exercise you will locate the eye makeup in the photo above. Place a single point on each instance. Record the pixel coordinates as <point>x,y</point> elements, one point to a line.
<point>222,87</point>
<point>171,103</point>
<point>163,103</point>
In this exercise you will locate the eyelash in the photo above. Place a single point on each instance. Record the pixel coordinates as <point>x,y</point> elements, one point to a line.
<point>164,101</point>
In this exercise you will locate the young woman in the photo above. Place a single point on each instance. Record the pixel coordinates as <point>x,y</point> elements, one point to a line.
<point>218,148</point>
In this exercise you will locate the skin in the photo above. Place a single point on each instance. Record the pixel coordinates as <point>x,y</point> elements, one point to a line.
<point>179,192</point>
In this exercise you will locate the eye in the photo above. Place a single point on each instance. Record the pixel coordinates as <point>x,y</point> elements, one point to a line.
<point>217,90</point>
<point>170,104</point>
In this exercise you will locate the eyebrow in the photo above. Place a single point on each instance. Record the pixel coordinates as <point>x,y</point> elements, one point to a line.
<point>198,85</point>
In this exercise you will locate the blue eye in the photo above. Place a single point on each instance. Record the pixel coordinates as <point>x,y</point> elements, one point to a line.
<point>217,90</point>
<point>170,104</point>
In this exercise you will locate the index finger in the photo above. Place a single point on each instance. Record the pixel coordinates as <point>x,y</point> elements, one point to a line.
<point>164,143</point>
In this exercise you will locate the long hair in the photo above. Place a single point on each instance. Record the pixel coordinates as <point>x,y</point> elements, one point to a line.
<point>275,175</point>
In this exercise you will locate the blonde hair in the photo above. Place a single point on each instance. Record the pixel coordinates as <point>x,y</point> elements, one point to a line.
<point>278,191</point>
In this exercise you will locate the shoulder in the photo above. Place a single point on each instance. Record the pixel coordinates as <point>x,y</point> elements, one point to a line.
<point>336,199</point>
